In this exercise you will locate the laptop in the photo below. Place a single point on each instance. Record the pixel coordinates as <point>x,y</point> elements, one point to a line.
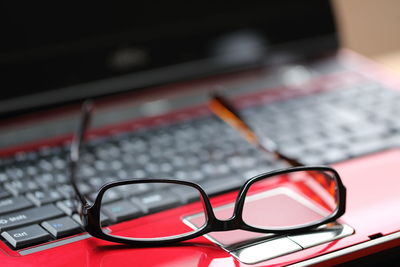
<point>149,69</point>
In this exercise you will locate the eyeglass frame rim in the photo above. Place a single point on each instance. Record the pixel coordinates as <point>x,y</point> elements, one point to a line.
<point>90,214</point>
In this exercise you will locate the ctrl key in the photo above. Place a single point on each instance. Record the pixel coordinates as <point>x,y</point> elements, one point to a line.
<point>26,236</point>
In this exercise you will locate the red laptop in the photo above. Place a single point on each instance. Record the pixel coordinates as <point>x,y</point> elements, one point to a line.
<point>155,177</point>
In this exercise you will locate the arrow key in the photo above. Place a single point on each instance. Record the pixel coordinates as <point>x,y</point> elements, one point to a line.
<point>62,227</point>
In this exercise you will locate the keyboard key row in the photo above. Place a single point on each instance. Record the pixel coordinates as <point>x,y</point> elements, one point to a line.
<point>46,231</point>
<point>29,216</point>
<point>14,203</point>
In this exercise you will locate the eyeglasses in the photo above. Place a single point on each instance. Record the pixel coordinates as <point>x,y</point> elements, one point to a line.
<point>284,201</point>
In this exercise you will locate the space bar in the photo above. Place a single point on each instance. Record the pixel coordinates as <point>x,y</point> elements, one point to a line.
<point>29,216</point>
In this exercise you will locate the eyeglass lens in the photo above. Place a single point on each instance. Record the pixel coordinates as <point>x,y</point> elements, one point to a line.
<point>124,203</point>
<point>292,199</point>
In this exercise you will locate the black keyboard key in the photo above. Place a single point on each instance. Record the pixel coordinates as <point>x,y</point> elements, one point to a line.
<point>212,169</point>
<point>66,191</point>
<point>45,165</point>
<point>96,182</point>
<point>26,236</point>
<point>311,159</point>
<point>4,193</point>
<point>61,178</point>
<point>14,172</point>
<point>59,163</point>
<point>86,171</point>
<point>31,170</point>
<point>77,219</point>
<point>218,185</point>
<point>189,174</point>
<point>161,186</point>
<point>109,196</point>
<point>21,156</point>
<point>133,189</point>
<point>154,202</point>
<point>3,177</point>
<point>29,216</point>
<point>20,186</point>
<point>244,162</point>
<point>13,204</point>
<point>61,227</point>
<point>46,180</point>
<point>101,165</point>
<point>68,206</point>
<point>84,188</point>
<point>333,155</point>
<point>46,151</point>
<point>186,194</point>
<point>121,210</point>
<point>44,197</point>
<point>366,147</point>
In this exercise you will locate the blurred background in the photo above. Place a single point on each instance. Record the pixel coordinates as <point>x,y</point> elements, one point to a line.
<point>370,27</point>
<point>61,54</point>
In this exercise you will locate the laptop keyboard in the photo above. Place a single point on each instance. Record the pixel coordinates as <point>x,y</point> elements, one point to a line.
<point>333,126</point>
<point>36,199</point>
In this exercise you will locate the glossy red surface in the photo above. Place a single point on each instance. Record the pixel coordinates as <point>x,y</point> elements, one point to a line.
<point>370,210</point>
<point>373,203</point>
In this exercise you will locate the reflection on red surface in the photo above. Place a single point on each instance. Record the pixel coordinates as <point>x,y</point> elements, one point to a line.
<point>326,182</point>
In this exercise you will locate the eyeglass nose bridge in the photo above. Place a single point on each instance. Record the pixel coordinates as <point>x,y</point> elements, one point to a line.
<point>226,225</point>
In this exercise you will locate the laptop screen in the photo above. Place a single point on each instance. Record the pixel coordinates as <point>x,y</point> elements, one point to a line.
<point>49,51</point>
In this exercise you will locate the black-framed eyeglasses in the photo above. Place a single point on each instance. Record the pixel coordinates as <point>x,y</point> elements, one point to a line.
<point>284,201</point>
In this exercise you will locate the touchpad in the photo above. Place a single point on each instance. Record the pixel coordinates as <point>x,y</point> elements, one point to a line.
<point>271,208</point>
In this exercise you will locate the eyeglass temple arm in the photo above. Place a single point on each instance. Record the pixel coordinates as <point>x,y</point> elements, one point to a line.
<point>77,140</point>
<point>221,107</point>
